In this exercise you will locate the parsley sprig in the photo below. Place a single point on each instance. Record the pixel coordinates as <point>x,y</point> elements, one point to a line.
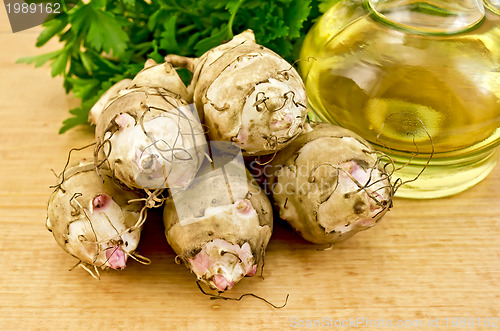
<point>105,41</point>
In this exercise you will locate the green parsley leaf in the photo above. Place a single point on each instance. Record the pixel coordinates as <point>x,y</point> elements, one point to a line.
<point>167,37</point>
<point>106,33</point>
<point>52,27</point>
<point>40,60</point>
<point>59,64</point>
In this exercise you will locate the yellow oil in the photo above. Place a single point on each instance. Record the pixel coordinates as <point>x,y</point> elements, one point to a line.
<point>414,96</point>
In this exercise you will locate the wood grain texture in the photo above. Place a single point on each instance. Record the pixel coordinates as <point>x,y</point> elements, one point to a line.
<point>432,258</point>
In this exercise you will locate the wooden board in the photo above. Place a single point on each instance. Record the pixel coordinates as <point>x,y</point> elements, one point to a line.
<point>427,261</point>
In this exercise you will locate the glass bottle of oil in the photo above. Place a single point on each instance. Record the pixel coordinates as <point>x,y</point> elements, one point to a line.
<point>420,80</point>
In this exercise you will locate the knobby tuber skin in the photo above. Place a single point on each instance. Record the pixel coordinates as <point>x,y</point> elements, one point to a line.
<point>161,76</point>
<point>92,218</point>
<point>112,93</point>
<point>247,94</point>
<point>147,133</point>
<point>328,184</point>
<point>221,240</point>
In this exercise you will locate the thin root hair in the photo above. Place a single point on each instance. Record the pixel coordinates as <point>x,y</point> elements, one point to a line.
<point>266,162</point>
<point>361,187</point>
<point>280,72</point>
<point>309,59</point>
<point>260,98</point>
<point>140,221</point>
<point>286,97</point>
<point>99,163</point>
<point>119,242</point>
<point>178,259</point>
<point>179,114</point>
<point>75,204</point>
<point>77,208</point>
<point>171,150</point>
<point>80,207</point>
<point>163,92</point>
<point>399,182</point>
<point>139,258</point>
<point>385,177</point>
<point>297,104</point>
<point>83,265</point>
<point>219,296</point>
<point>68,160</point>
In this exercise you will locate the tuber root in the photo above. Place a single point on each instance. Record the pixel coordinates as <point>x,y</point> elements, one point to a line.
<point>148,134</point>
<point>92,218</point>
<point>220,226</point>
<point>328,184</point>
<point>247,94</point>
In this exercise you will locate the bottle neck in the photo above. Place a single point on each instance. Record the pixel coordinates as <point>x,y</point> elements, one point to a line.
<point>429,17</point>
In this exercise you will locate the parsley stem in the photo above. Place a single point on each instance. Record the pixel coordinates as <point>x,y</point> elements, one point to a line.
<point>144,45</point>
<point>231,19</point>
<point>176,8</point>
<point>63,4</point>
<point>185,29</point>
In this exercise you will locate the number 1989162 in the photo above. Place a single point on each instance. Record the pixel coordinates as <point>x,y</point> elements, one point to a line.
<point>33,8</point>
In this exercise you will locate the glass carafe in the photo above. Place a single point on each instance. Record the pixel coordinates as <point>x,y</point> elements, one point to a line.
<point>420,80</point>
